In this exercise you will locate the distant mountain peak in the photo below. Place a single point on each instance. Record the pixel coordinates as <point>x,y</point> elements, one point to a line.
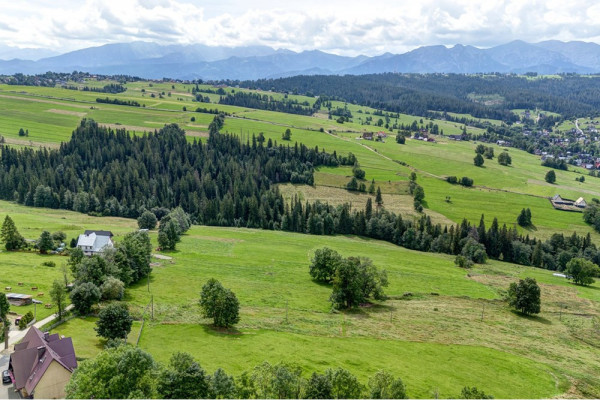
<point>191,61</point>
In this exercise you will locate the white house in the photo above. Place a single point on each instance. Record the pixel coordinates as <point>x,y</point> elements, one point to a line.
<point>93,242</point>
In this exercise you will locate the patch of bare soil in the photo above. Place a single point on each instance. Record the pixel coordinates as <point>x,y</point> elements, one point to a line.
<point>67,112</point>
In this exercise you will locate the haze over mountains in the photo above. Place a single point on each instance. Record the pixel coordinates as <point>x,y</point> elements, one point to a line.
<point>151,60</point>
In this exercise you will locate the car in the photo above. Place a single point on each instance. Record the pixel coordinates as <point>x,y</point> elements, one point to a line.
<point>6,377</point>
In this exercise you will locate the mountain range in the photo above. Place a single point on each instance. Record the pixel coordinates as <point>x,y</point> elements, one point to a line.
<point>196,61</point>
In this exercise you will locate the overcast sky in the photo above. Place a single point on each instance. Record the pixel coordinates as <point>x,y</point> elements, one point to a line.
<point>343,27</point>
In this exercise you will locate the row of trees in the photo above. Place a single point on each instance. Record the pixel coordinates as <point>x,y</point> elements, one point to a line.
<point>129,372</point>
<point>265,102</point>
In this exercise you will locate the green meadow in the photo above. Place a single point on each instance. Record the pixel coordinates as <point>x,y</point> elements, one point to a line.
<point>442,327</point>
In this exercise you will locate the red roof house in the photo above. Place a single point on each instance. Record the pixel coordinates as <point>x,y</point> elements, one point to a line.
<point>42,364</point>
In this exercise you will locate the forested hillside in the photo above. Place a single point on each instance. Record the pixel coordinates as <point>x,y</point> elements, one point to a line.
<point>483,96</point>
<point>108,172</point>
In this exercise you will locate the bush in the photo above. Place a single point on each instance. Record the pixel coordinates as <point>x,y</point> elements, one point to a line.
<point>466,181</point>
<point>463,262</point>
<point>112,289</point>
<point>550,176</point>
<point>452,179</point>
<point>51,264</point>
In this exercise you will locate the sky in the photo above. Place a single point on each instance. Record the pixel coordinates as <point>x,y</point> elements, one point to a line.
<point>368,27</point>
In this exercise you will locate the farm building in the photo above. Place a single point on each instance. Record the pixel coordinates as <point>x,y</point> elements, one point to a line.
<point>580,202</point>
<point>42,364</point>
<point>367,135</point>
<point>17,299</point>
<point>93,242</point>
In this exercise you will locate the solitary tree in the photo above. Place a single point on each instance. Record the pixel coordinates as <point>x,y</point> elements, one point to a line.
<point>355,280</point>
<point>114,321</point>
<point>504,158</point>
<point>10,236</point>
<point>524,218</point>
<point>58,294</point>
<point>219,303</point>
<point>550,176</point>
<point>582,271</point>
<point>525,296</point>
<point>287,135</point>
<point>478,160</point>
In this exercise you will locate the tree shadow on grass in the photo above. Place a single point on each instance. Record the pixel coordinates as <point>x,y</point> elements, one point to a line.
<point>530,228</point>
<point>212,330</point>
<point>534,318</point>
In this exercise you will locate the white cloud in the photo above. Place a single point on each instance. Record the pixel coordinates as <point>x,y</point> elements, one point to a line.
<point>344,27</point>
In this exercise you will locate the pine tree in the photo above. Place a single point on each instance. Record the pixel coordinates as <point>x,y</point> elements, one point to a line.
<point>378,198</point>
<point>10,236</point>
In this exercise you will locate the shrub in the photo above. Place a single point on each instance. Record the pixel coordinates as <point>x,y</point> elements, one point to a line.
<point>466,181</point>
<point>452,179</point>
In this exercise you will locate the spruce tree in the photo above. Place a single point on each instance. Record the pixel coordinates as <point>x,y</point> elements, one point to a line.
<point>378,198</point>
<point>10,236</point>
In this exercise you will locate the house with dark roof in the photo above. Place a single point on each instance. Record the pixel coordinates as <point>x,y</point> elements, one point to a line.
<point>42,364</point>
<point>93,242</point>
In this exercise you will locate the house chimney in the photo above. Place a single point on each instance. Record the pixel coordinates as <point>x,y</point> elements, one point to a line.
<point>46,336</point>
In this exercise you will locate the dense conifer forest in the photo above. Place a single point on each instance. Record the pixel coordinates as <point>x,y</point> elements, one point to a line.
<point>483,96</point>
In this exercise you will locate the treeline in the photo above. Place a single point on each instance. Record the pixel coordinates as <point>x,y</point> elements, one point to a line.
<point>417,94</point>
<point>120,102</point>
<point>51,79</point>
<point>105,172</point>
<point>476,243</point>
<point>184,378</point>
<point>265,102</point>
<point>113,88</point>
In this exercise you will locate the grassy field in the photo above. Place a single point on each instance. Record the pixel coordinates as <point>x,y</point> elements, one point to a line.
<point>50,114</point>
<point>430,332</point>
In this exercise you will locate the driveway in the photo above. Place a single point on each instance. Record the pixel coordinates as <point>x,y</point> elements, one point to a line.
<point>6,390</point>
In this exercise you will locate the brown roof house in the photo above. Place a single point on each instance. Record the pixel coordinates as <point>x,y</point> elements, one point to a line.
<point>42,364</point>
